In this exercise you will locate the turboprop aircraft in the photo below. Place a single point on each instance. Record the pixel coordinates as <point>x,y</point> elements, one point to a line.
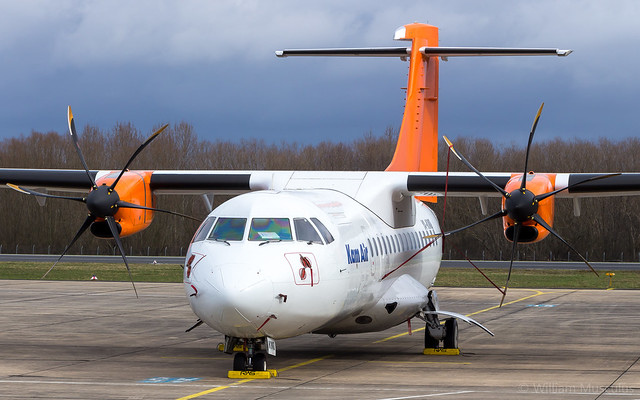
<point>327,252</point>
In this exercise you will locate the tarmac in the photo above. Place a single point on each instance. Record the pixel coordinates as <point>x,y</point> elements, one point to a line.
<point>95,340</point>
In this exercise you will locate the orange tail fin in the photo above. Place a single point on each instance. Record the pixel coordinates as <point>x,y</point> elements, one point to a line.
<point>417,148</point>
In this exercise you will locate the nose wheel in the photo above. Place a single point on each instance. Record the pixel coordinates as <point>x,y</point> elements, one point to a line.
<point>251,360</point>
<point>240,362</point>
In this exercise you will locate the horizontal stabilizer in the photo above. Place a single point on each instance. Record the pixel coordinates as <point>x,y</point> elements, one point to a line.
<point>490,51</point>
<point>427,51</point>
<point>348,52</point>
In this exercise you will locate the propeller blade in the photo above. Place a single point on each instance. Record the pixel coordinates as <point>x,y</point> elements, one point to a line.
<point>516,232</point>
<point>114,231</point>
<point>51,196</point>
<point>74,136</point>
<point>526,159</point>
<point>86,224</point>
<point>546,226</point>
<point>472,168</point>
<point>595,178</point>
<point>135,154</point>
<point>124,204</point>
<point>499,214</point>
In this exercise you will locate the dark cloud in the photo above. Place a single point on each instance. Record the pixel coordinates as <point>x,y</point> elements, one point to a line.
<point>212,64</point>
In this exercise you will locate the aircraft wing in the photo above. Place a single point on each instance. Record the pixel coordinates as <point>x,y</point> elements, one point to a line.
<point>456,184</point>
<point>471,185</point>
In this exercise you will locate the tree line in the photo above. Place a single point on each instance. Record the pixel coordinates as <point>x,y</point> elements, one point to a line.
<point>606,230</point>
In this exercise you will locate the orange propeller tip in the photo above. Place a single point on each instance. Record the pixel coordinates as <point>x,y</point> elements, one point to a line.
<point>17,188</point>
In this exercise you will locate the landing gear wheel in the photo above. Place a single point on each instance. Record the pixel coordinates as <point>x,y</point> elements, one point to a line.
<point>451,338</point>
<point>260,362</point>
<point>429,342</point>
<point>240,362</point>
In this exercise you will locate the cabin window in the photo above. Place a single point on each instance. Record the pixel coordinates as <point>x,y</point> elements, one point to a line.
<point>371,247</point>
<point>305,231</point>
<point>228,229</point>
<point>379,245</point>
<point>397,242</point>
<point>270,229</point>
<point>375,247</point>
<point>204,229</point>
<point>326,234</point>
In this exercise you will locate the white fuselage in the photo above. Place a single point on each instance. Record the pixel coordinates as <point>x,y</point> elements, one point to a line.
<point>279,283</point>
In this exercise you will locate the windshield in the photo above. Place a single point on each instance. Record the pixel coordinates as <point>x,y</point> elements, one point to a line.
<point>203,231</point>
<point>270,229</point>
<point>305,231</point>
<point>228,229</point>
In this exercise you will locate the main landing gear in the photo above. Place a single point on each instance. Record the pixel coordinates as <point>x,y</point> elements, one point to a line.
<point>436,332</point>
<point>249,354</point>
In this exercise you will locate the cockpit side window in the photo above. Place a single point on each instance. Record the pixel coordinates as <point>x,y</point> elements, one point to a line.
<point>228,229</point>
<point>305,231</point>
<point>204,229</point>
<point>270,229</point>
<point>328,237</point>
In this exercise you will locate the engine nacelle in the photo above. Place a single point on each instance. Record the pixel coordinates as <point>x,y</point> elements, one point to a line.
<point>133,188</point>
<point>531,231</point>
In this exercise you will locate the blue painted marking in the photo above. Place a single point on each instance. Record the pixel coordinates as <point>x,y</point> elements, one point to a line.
<point>541,305</point>
<point>168,379</point>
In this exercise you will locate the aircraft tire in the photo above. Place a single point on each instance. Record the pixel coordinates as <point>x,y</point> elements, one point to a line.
<point>240,362</point>
<point>260,362</point>
<point>430,342</point>
<point>451,338</point>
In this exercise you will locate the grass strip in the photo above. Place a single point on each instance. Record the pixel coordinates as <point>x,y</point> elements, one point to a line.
<point>83,272</point>
<point>449,277</point>
<point>537,278</point>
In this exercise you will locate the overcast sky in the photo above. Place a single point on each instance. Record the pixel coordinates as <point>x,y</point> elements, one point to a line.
<point>212,64</point>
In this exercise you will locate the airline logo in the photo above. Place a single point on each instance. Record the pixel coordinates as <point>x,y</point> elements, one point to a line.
<point>357,254</point>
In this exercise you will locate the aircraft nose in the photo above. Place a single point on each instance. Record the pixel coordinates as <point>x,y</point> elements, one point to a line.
<point>240,302</point>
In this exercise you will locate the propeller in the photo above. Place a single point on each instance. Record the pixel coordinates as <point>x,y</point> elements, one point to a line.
<point>521,205</point>
<point>102,202</point>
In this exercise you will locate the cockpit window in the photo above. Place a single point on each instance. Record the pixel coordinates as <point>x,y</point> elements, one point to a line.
<point>328,237</point>
<point>204,229</point>
<point>228,229</point>
<point>305,231</point>
<point>270,229</point>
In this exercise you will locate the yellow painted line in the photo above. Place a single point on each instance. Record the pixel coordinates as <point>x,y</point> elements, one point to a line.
<point>193,396</point>
<point>538,293</point>
<point>398,335</point>
<point>305,363</point>
<point>194,358</point>
<point>421,362</point>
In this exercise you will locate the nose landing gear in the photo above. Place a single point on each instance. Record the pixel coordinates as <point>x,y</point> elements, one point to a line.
<point>249,355</point>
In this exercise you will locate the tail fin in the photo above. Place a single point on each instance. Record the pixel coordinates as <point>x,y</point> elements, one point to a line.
<point>417,147</point>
